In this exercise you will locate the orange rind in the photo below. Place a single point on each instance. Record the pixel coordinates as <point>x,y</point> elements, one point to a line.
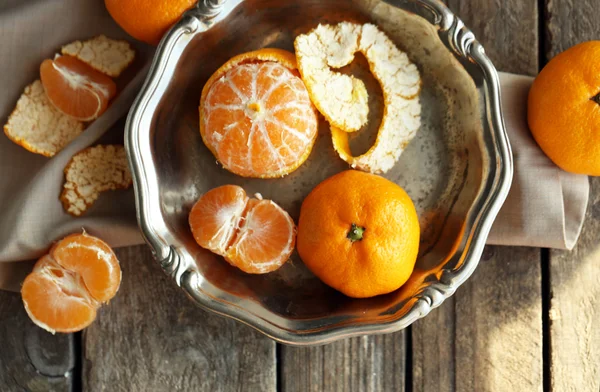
<point>92,171</point>
<point>343,99</point>
<point>36,125</point>
<point>106,55</point>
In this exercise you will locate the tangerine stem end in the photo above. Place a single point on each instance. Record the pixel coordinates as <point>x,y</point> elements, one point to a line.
<point>356,233</point>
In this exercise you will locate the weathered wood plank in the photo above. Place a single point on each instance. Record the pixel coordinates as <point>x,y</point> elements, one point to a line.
<point>499,324</point>
<point>575,276</point>
<point>153,338</point>
<point>433,350</point>
<point>489,336</point>
<point>508,29</point>
<point>31,359</point>
<point>368,363</point>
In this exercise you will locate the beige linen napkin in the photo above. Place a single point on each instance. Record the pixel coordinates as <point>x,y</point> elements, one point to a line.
<point>545,207</point>
<point>32,216</point>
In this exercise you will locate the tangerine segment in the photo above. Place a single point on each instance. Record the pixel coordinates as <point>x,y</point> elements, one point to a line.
<point>215,217</point>
<point>255,235</point>
<point>55,299</point>
<point>265,240</point>
<point>93,260</point>
<point>256,116</point>
<point>75,88</point>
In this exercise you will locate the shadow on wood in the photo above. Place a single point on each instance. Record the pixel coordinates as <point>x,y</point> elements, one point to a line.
<point>31,359</point>
<point>151,337</point>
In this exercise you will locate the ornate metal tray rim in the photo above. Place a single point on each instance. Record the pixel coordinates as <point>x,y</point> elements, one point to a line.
<point>458,39</point>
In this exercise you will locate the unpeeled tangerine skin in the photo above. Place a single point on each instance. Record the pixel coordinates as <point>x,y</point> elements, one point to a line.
<point>343,99</point>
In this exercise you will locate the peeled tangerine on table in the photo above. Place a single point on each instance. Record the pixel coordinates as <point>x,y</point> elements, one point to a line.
<point>70,283</point>
<point>255,235</point>
<point>75,88</point>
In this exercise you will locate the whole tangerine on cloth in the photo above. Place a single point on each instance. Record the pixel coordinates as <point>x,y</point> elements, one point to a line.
<point>147,20</point>
<point>69,284</point>
<point>359,233</point>
<point>564,109</point>
<point>256,116</point>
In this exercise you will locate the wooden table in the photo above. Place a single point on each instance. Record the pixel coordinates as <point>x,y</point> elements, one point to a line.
<point>535,328</point>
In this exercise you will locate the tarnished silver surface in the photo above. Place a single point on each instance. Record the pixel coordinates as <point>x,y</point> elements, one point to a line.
<point>458,170</point>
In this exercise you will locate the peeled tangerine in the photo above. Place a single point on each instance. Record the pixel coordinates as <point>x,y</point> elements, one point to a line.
<point>256,116</point>
<point>255,235</point>
<point>68,285</point>
<point>343,99</point>
<point>75,88</point>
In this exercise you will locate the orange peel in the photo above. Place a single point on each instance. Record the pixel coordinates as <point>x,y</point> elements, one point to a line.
<point>36,125</point>
<point>91,172</point>
<point>106,55</point>
<point>343,99</point>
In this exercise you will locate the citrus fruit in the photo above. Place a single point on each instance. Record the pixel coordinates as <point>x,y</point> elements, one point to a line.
<point>254,235</point>
<point>147,20</point>
<point>75,88</point>
<point>93,260</point>
<point>359,233</point>
<point>68,285</point>
<point>564,109</point>
<point>55,299</point>
<point>343,99</point>
<point>256,116</point>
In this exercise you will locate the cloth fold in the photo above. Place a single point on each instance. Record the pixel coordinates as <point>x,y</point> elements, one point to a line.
<point>545,207</point>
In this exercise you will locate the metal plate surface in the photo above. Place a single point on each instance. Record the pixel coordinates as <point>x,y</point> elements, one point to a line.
<point>457,170</point>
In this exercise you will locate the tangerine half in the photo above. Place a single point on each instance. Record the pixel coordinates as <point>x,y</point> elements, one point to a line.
<point>75,88</point>
<point>256,116</point>
<point>254,235</point>
<point>68,285</point>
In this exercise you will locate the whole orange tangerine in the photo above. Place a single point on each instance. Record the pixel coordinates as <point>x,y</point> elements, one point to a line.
<point>256,116</point>
<point>359,233</point>
<point>564,109</point>
<point>147,20</point>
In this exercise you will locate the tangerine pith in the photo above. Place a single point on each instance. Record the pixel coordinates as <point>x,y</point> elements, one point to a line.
<point>256,116</point>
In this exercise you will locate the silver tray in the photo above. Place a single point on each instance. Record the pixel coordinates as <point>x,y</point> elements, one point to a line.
<point>458,170</point>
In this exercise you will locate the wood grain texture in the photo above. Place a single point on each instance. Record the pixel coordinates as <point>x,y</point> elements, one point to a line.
<point>575,276</point>
<point>368,363</point>
<point>489,337</point>
<point>508,29</point>
<point>151,337</point>
<point>575,308</point>
<point>499,324</point>
<point>31,359</point>
<point>434,350</point>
